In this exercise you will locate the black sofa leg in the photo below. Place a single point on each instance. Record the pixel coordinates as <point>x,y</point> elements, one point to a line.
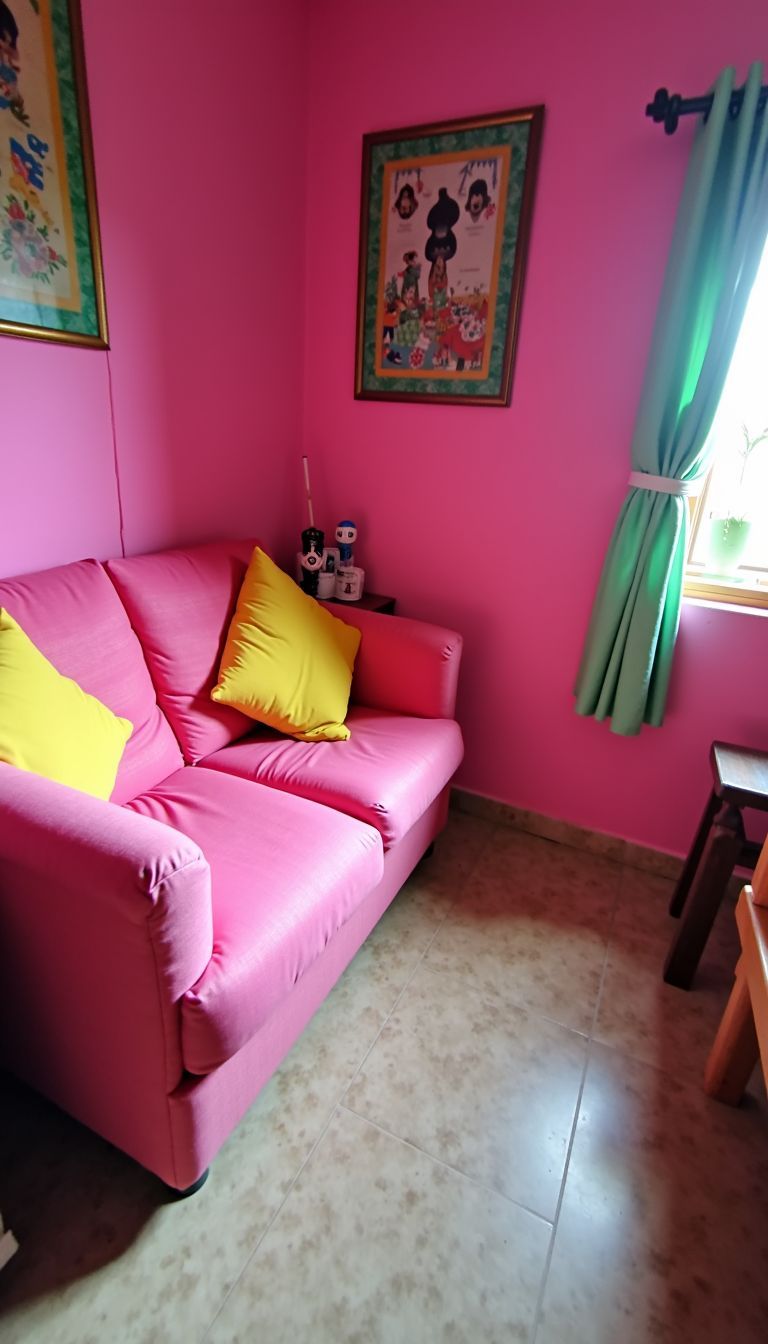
<point>192,1189</point>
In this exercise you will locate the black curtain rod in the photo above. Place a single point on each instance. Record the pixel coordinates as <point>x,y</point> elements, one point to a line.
<point>670,108</point>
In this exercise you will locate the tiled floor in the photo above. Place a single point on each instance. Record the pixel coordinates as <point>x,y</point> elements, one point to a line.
<point>493,1130</point>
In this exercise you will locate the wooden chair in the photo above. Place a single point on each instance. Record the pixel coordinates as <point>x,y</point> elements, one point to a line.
<point>742,1036</point>
<point>740,779</point>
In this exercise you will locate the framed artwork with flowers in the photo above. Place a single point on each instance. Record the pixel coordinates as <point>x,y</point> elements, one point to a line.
<point>444,223</point>
<point>51,280</point>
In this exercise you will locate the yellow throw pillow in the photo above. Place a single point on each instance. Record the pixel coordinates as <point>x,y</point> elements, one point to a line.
<point>287,661</point>
<point>49,725</point>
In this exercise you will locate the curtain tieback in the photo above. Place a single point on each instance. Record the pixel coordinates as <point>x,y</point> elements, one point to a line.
<point>664,485</point>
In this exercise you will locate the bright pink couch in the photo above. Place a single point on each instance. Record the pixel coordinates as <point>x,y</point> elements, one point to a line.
<point>161,952</point>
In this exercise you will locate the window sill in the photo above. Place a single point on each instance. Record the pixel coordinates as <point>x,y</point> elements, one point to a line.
<point>749,595</point>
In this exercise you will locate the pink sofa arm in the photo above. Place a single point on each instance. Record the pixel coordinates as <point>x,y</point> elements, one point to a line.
<point>106,921</point>
<point>410,667</point>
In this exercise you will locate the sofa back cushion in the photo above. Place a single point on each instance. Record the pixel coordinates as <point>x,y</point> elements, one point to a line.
<point>180,604</point>
<point>75,618</point>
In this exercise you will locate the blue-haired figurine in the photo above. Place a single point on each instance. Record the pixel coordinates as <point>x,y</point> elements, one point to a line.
<point>346,536</point>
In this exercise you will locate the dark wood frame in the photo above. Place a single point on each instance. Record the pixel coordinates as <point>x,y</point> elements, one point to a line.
<point>533,114</point>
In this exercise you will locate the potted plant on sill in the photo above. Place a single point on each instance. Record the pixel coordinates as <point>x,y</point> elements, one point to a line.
<point>729,530</point>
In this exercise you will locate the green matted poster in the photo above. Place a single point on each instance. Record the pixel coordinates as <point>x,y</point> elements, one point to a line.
<point>445,217</point>
<point>51,282</point>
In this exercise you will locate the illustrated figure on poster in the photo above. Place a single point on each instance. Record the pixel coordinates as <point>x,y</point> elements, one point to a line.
<point>437,285</point>
<point>409,325</point>
<point>440,220</point>
<point>346,536</point>
<point>390,317</point>
<point>10,65</point>
<point>9,38</point>
<point>411,273</point>
<point>478,199</point>
<point>464,340</point>
<point>406,203</point>
<point>389,324</point>
<point>312,544</point>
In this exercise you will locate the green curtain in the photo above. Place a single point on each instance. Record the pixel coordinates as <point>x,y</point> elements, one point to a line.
<point>719,235</point>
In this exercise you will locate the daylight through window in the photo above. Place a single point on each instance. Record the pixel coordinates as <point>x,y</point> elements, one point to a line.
<point>728,555</point>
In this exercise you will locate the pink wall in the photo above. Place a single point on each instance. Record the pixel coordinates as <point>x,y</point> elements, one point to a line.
<point>199,122</point>
<point>496,521</point>
<point>492,520</point>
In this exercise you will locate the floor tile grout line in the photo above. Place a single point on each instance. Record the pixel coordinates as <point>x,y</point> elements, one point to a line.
<point>577,1112</point>
<point>618,1048</point>
<point>407,983</point>
<point>332,1111</point>
<point>556,1220</point>
<point>686,1081</point>
<point>516,1005</point>
<point>504,829</point>
<point>249,1258</point>
<point>649,869</point>
<point>341,1106</point>
<point>392,1010</point>
<point>338,1101</point>
<point>427,914</point>
<point>604,969</point>
<point>498,828</point>
<point>441,1162</point>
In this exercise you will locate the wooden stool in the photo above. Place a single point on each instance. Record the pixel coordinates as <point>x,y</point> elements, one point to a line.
<point>740,780</point>
<point>742,1036</point>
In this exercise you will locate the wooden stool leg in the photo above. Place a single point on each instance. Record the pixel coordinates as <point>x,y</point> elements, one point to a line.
<point>685,879</point>
<point>735,1051</point>
<point>717,862</point>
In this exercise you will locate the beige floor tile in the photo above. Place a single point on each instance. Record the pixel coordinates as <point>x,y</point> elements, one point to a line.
<point>486,1088</point>
<point>102,1258</point>
<point>459,847</point>
<point>407,927</point>
<point>566,833</point>
<point>494,941</point>
<point>542,869</point>
<point>532,923</point>
<point>663,1232</point>
<point>387,959</point>
<point>639,1014</point>
<point>101,1253</point>
<point>378,1244</point>
<point>403,934</point>
<point>147,1271</point>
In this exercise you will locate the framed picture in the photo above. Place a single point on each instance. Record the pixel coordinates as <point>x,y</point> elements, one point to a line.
<point>444,224</point>
<point>51,281</point>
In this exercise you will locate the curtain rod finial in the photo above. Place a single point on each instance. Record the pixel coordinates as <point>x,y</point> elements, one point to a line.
<point>665,108</point>
<point>658,107</point>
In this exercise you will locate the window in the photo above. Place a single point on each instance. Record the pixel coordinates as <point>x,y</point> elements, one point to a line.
<point>728,553</point>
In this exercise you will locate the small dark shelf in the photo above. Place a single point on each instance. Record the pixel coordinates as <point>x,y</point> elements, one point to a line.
<point>368,602</point>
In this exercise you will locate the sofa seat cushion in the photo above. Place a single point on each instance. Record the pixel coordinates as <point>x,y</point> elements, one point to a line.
<point>387,774</point>
<point>75,618</point>
<point>286,874</point>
